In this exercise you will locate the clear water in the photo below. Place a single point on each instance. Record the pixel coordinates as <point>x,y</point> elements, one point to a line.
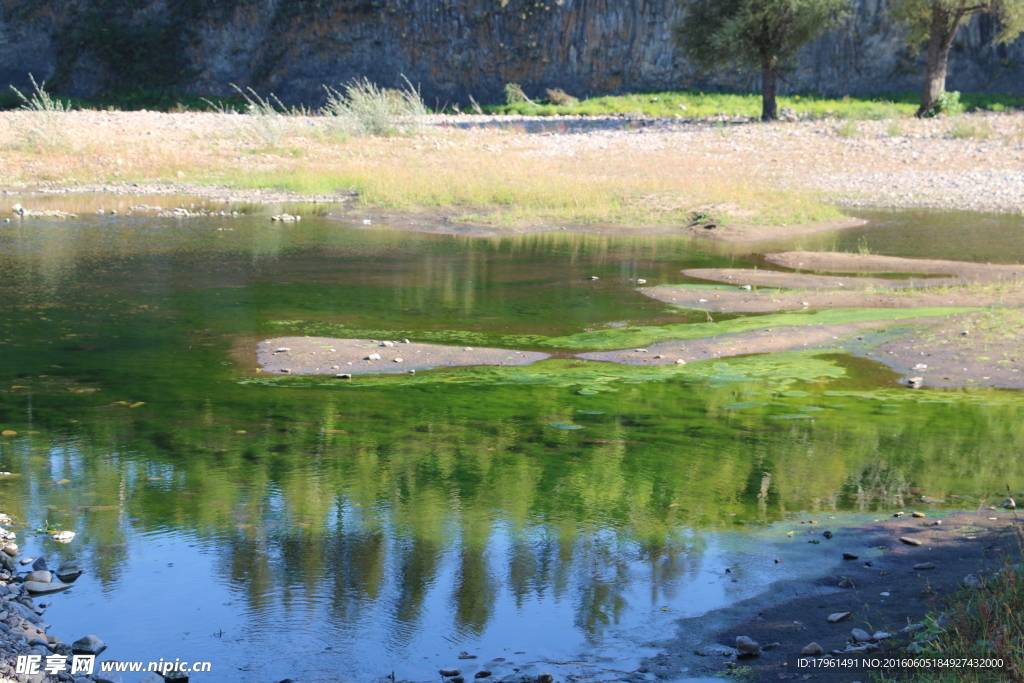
<point>341,531</point>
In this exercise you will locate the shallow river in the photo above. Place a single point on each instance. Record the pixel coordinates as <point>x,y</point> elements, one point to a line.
<point>560,516</point>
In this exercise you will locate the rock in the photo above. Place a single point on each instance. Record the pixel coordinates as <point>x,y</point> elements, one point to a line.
<point>373,356</point>
<point>746,288</point>
<point>1010,504</point>
<point>88,645</point>
<point>39,576</point>
<point>923,566</point>
<point>482,674</point>
<point>398,360</point>
<point>457,679</point>
<point>448,673</point>
<point>343,375</point>
<point>107,677</point>
<point>466,655</point>
<point>747,647</point>
<point>915,382</point>
<point>909,541</point>
<point>680,361</point>
<point>468,348</point>
<point>26,560</point>
<point>921,366</point>
<point>846,582</point>
<point>919,515</point>
<point>850,556</point>
<point>593,277</point>
<point>972,581</point>
<point>387,343</point>
<point>151,678</point>
<point>11,549</point>
<point>406,341</point>
<point>283,349</point>
<point>178,676</point>
<point>827,534</point>
<point>912,628</point>
<point>39,564</point>
<point>837,616</point>
<point>715,651</point>
<point>412,372</point>
<point>40,588</point>
<point>812,650</point>
<point>898,514</point>
<point>881,635</point>
<point>545,677</point>
<point>860,635</point>
<point>641,281</point>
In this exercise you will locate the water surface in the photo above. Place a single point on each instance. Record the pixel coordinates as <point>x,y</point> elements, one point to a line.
<point>559,516</point>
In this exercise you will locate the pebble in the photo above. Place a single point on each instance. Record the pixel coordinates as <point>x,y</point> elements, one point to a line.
<point>545,677</point>
<point>482,674</point>
<point>387,343</point>
<point>641,282</point>
<point>837,617</point>
<point>680,361</point>
<point>746,288</point>
<point>373,356</point>
<point>919,515</point>
<point>448,673</point>
<point>923,566</point>
<point>1010,504</point>
<point>860,635</point>
<point>747,647</point>
<point>398,360</point>
<point>812,650</point>
<point>343,375</point>
<point>909,541</point>
<point>850,556</point>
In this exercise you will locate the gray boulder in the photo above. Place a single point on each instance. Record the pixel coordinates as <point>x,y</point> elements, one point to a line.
<point>40,564</point>
<point>38,588</point>
<point>39,576</point>
<point>88,645</point>
<point>151,678</point>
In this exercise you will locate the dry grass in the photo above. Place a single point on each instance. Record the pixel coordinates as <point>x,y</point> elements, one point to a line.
<point>502,175</point>
<point>495,175</point>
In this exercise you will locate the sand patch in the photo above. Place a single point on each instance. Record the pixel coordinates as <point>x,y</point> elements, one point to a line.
<point>330,356</point>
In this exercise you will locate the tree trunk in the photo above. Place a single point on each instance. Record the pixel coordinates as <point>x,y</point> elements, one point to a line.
<point>940,38</point>
<point>769,88</point>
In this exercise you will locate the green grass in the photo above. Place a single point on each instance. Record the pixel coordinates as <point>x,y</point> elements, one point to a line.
<point>658,104</point>
<point>695,104</point>
<point>985,622</point>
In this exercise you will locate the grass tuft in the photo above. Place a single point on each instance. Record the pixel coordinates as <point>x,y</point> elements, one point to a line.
<point>361,108</point>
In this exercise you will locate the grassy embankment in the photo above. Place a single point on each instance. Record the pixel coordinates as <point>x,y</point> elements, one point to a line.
<point>498,175</point>
<point>985,621</point>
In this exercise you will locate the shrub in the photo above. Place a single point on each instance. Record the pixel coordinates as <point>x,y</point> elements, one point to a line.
<point>362,108</point>
<point>559,97</point>
<point>47,112</point>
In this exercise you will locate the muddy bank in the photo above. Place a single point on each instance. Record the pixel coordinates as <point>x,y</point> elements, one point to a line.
<point>740,232</point>
<point>888,584</point>
<point>332,356</point>
<point>839,262</point>
<point>741,344</point>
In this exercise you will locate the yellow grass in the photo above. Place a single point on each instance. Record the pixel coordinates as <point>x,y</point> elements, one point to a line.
<point>499,176</point>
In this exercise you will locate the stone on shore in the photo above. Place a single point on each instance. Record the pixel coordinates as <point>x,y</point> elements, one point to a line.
<point>747,647</point>
<point>909,541</point>
<point>837,617</point>
<point>39,563</point>
<point>448,673</point>
<point>40,588</point>
<point>88,645</point>
<point>39,576</point>
<point>860,635</point>
<point>812,650</point>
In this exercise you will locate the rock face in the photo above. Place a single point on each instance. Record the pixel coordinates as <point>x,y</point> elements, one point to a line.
<point>450,49</point>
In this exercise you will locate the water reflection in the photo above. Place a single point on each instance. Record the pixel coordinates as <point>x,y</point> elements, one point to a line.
<point>399,524</point>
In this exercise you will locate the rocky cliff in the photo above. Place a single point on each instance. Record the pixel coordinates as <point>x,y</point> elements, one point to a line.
<point>451,48</point>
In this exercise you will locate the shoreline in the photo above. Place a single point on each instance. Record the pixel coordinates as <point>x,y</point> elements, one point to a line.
<point>887,586</point>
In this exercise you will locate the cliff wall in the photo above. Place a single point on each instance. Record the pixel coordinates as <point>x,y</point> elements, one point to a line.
<point>451,48</point>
